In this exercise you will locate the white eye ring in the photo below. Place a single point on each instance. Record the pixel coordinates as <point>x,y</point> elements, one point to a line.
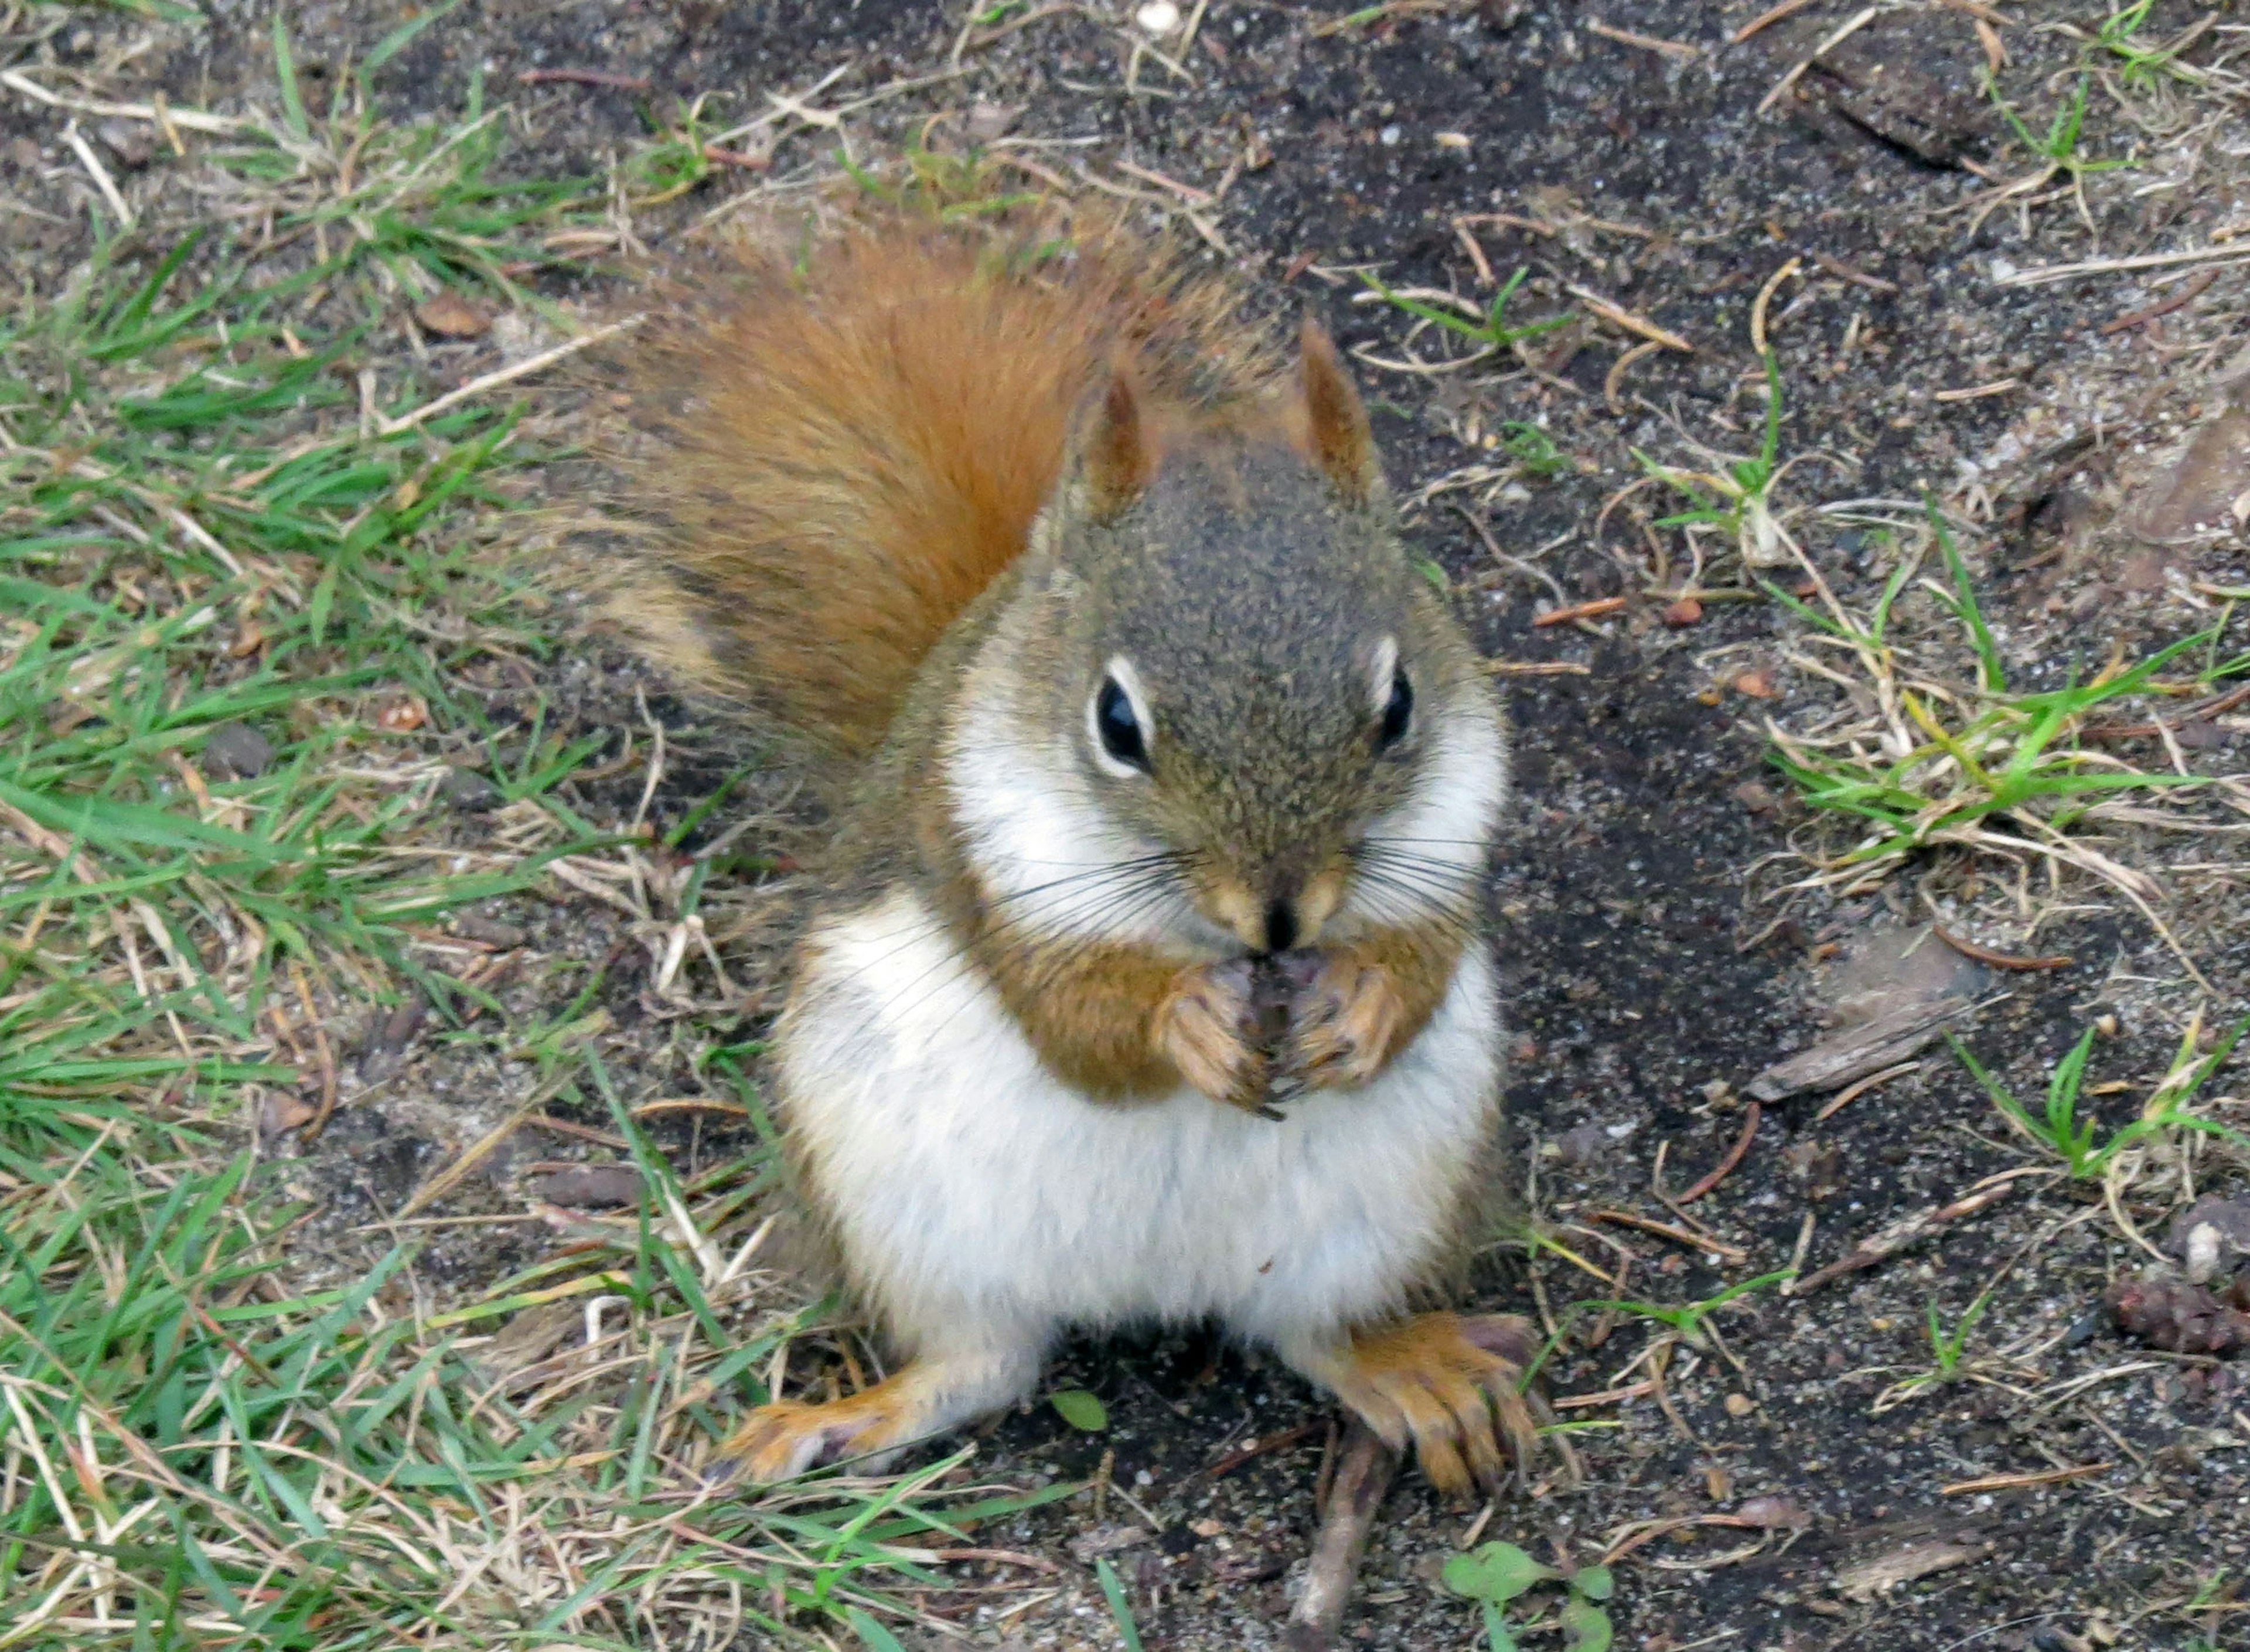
<point>1115,752</point>
<point>1381,674</point>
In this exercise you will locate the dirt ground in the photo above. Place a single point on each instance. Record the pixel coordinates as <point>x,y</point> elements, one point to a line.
<point>1656,958</point>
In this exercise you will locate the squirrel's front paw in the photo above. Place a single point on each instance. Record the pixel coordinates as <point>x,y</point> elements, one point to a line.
<point>1344,1025</point>
<point>1210,1028</point>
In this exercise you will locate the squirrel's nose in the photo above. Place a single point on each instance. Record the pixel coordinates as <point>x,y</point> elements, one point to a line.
<point>1280,926</point>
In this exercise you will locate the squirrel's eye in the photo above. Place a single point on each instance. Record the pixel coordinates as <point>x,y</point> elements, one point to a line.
<point>1117,728</point>
<point>1398,713</point>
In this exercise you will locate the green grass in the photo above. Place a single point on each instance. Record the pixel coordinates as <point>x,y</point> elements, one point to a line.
<point>1492,332</point>
<point>1735,501</point>
<point>202,531</point>
<point>1688,1321</point>
<point>1956,764</point>
<point>2078,1141</point>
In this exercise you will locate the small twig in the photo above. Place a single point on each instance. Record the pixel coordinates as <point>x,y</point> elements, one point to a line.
<point>508,375</point>
<point>2222,255</point>
<point>1900,1234</point>
<point>1536,668</point>
<point>1593,609</point>
<point>102,181</point>
<point>1764,298</point>
<point>1687,1236</point>
<point>2178,300</point>
<point>1364,1469</point>
<point>1725,1166</point>
<point>1607,1396</point>
<point>2012,1482</point>
<point>583,78</point>
<point>1781,87</point>
<point>1767,19</point>
<point>1280,1441</point>
<point>1844,1098</point>
<point>193,119</point>
<point>1998,960</point>
<point>1647,42</point>
<point>2209,709</point>
<point>1978,392</point>
<point>1613,380</point>
<point>1843,272</point>
<point>1619,316</point>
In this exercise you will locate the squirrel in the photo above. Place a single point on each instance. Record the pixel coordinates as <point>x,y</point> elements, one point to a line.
<point>1147,981</point>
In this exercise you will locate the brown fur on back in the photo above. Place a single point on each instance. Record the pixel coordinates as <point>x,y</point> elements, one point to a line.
<point>838,453</point>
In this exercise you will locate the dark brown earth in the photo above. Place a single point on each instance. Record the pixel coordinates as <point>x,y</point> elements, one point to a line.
<point>1654,963</point>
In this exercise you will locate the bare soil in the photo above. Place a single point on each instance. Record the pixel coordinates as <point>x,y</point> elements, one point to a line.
<point>1655,962</point>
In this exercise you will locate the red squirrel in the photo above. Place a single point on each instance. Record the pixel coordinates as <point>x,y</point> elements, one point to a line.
<point>1147,980</point>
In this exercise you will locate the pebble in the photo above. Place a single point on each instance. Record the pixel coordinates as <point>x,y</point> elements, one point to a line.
<point>236,751</point>
<point>1158,16</point>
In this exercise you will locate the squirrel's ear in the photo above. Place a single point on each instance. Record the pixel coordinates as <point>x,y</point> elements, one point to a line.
<point>1115,456</point>
<point>1337,433</point>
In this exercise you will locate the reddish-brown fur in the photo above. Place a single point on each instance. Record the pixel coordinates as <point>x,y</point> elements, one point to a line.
<point>838,459</point>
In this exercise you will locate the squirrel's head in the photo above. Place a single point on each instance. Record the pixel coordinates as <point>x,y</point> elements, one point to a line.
<point>1223,708</point>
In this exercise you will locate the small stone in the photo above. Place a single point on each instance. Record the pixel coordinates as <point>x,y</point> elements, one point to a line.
<point>283,1110</point>
<point>1089,1546</point>
<point>1773,1512</point>
<point>448,314</point>
<point>129,141</point>
<point>1206,1527</point>
<point>989,121</point>
<point>1754,684</point>
<point>1756,798</point>
<point>1389,136</point>
<point>402,715</point>
<point>1684,612</point>
<point>469,791</point>
<point>236,751</point>
<point>1585,1144</point>
<point>1158,16</point>
<point>490,931</point>
<point>1740,1405</point>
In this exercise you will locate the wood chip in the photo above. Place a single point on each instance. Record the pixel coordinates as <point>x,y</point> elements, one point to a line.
<point>1860,1050</point>
<point>1364,1469</point>
<point>1883,1573</point>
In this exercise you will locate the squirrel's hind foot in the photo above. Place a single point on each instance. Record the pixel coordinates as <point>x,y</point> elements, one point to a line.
<point>928,1396</point>
<point>1451,1385</point>
<point>791,1437</point>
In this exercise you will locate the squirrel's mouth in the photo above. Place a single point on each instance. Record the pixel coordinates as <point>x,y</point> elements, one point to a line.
<point>1275,913</point>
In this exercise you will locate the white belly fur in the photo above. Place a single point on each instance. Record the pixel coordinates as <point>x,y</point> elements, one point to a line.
<point>979,1198</point>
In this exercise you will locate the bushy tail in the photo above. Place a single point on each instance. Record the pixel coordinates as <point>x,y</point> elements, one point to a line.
<point>836,453</point>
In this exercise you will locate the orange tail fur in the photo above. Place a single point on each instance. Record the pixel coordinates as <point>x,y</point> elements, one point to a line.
<point>840,452</point>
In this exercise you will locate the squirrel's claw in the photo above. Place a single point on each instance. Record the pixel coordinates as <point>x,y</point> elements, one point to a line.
<point>1209,1029</point>
<point>1344,1025</point>
<point>1445,1383</point>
